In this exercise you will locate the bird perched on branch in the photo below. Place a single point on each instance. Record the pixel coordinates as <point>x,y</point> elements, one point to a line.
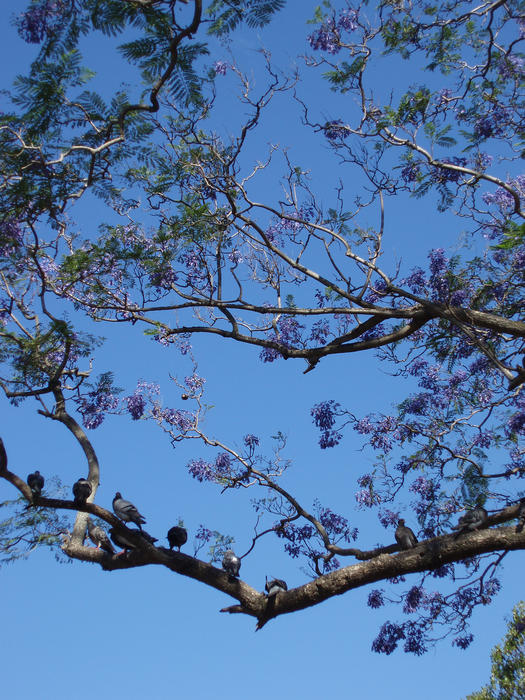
<point>81,491</point>
<point>231,563</point>
<point>404,535</point>
<point>126,511</point>
<point>472,520</point>
<point>521,516</point>
<point>121,539</point>
<point>35,482</point>
<point>99,537</point>
<point>275,586</point>
<point>177,536</point>
<point>146,536</point>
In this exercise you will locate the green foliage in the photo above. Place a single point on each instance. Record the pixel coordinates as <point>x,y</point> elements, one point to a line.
<point>514,235</point>
<point>343,78</point>
<point>507,678</point>
<point>219,545</point>
<point>228,14</point>
<point>23,528</point>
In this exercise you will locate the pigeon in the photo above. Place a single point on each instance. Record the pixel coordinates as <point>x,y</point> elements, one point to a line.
<point>275,586</point>
<point>521,515</point>
<point>231,563</point>
<point>126,511</point>
<point>81,491</point>
<point>472,520</point>
<point>404,535</point>
<point>122,540</point>
<point>146,536</point>
<point>35,482</point>
<point>99,537</point>
<point>177,536</point>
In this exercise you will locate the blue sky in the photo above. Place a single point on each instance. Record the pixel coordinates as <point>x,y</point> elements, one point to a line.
<point>72,631</point>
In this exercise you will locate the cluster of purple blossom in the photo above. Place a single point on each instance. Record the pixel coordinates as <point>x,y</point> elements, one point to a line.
<point>220,67</point>
<point>335,129</point>
<point>297,537</point>
<point>503,199</point>
<point>336,525</point>
<point>320,331</point>
<point>38,20</point>
<point>324,417</point>
<point>290,222</point>
<point>516,422</point>
<point>444,174</point>
<point>328,37</point>
<point>194,383</point>
<point>94,405</point>
<point>288,336</point>
<point>163,276</point>
<point>411,172</point>
<point>182,420</point>
<point>388,638</point>
<point>251,441</point>
<point>136,405</point>
<point>511,66</point>
<point>493,123</point>
<point>221,468</point>
<point>375,598</point>
<point>388,517</point>
<point>196,273</point>
<point>11,237</point>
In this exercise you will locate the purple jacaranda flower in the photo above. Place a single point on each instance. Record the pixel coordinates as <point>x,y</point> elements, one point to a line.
<point>504,199</point>
<point>414,643</point>
<point>220,67</point>
<point>411,172</point>
<point>413,599</point>
<point>194,383</point>
<point>38,20</point>
<point>365,498</point>
<point>183,420</point>
<point>424,487</point>
<point>375,598</point>
<point>326,38</point>
<point>463,642</point>
<point>320,331</point>
<point>347,20</point>
<point>444,174</point>
<point>416,281</point>
<point>387,518</point>
<point>387,639</point>
<point>251,440</point>
<point>11,237</point>
<point>511,66</point>
<point>235,256</point>
<point>324,414</point>
<point>335,129</point>
<point>201,470</point>
<point>136,405</point>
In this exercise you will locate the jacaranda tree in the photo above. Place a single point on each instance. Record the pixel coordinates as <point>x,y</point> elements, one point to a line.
<point>190,239</point>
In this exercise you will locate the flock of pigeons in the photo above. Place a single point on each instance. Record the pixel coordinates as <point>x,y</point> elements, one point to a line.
<point>472,520</point>
<point>128,513</point>
<point>231,563</point>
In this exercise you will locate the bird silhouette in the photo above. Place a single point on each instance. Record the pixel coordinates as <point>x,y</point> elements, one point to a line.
<point>231,563</point>
<point>404,535</point>
<point>35,482</point>
<point>126,511</point>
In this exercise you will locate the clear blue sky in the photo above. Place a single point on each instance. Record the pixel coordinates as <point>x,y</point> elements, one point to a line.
<point>73,632</point>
